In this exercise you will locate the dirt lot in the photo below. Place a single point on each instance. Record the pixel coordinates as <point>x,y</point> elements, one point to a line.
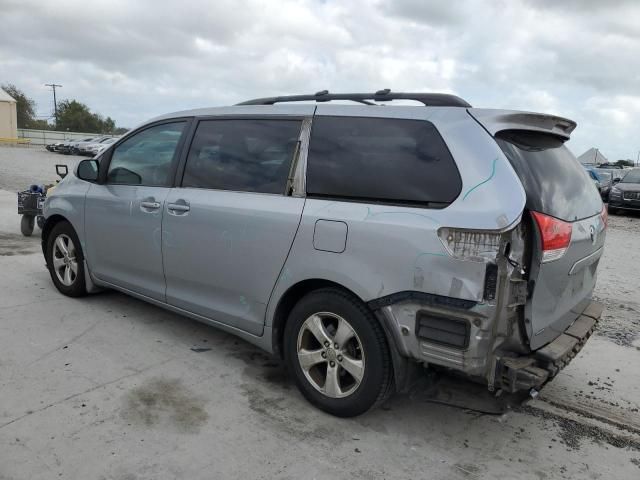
<point>108,387</point>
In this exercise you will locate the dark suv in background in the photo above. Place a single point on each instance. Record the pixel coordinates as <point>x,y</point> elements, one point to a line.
<point>625,194</point>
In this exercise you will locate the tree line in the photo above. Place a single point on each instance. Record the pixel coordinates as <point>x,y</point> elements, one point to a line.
<point>73,116</point>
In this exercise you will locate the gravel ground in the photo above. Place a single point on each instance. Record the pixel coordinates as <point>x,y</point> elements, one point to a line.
<point>618,285</point>
<point>21,167</point>
<point>110,387</point>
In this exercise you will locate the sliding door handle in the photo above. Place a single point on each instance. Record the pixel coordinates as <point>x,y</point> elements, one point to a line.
<point>178,208</point>
<point>150,205</point>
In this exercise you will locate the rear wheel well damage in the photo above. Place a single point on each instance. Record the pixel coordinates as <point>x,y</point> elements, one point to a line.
<point>401,365</point>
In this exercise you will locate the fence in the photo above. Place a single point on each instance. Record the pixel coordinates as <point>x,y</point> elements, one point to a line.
<point>45,137</point>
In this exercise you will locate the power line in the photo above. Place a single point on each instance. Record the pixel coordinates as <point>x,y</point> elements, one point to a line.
<point>55,105</point>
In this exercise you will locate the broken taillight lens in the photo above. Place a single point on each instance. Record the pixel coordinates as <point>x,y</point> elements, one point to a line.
<point>474,245</point>
<point>555,236</point>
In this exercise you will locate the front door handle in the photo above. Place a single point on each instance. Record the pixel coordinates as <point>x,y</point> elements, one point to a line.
<point>178,208</point>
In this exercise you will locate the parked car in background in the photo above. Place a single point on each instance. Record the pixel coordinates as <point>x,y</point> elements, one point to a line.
<point>606,180</point>
<point>625,193</point>
<point>88,147</point>
<point>97,148</point>
<point>594,178</point>
<point>354,241</point>
<point>75,146</point>
<point>55,146</point>
<point>65,147</point>
<point>616,173</point>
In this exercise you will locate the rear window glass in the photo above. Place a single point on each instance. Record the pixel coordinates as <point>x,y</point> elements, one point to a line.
<point>381,159</point>
<point>555,182</point>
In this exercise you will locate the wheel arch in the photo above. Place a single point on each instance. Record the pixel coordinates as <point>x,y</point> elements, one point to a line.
<point>50,222</point>
<point>295,292</point>
<point>288,300</point>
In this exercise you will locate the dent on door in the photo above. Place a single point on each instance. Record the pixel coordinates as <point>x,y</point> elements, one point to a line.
<point>223,254</point>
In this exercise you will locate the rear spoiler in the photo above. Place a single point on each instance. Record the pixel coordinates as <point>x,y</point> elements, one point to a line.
<point>495,121</point>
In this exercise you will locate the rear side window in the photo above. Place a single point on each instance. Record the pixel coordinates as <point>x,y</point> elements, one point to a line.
<point>554,181</point>
<point>242,155</point>
<point>381,159</point>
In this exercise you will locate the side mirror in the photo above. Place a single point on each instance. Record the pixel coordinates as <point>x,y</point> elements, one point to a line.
<point>62,170</point>
<point>616,180</point>
<point>88,170</point>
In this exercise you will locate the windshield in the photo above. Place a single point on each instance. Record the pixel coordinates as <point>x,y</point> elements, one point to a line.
<point>632,177</point>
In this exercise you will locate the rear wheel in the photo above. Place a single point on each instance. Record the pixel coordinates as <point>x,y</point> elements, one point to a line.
<point>337,353</point>
<point>26,225</point>
<point>65,260</point>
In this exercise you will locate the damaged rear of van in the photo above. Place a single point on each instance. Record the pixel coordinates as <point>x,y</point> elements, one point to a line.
<point>531,311</point>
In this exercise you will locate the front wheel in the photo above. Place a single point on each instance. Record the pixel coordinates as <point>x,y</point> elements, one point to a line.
<point>65,260</point>
<point>338,353</point>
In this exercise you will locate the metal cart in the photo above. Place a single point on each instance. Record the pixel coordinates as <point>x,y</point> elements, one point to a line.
<point>31,201</point>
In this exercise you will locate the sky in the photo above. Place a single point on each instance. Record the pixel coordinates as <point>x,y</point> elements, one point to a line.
<point>133,60</point>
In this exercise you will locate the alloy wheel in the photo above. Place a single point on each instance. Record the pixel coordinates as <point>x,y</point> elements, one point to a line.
<point>65,263</point>
<point>330,354</point>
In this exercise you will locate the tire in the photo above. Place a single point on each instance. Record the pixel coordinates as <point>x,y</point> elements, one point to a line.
<point>365,352</point>
<point>60,266</point>
<point>40,221</point>
<point>27,225</point>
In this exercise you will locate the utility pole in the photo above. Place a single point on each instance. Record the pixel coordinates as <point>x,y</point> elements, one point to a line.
<point>55,104</point>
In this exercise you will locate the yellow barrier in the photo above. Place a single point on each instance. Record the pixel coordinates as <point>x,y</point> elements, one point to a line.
<point>17,141</point>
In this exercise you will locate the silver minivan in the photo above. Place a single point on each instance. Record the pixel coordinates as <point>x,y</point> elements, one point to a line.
<point>355,241</point>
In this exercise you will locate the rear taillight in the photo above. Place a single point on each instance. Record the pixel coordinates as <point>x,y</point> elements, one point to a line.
<point>555,235</point>
<point>604,215</point>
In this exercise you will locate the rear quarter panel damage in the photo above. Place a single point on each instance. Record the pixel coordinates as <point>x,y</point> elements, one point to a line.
<point>392,248</point>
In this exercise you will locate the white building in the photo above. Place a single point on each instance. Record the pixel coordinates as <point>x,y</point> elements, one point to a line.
<point>8,116</point>
<point>592,157</point>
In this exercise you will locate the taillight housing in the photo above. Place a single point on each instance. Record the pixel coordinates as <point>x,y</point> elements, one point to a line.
<point>555,236</point>
<point>604,215</point>
<point>473,245</point>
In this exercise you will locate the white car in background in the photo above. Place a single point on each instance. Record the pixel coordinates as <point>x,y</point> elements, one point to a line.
<point>75,146</point>
<point>90,148</point>
<point>97,148</point>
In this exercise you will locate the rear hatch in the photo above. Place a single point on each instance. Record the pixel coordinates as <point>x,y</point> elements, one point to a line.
<point>566,221</point>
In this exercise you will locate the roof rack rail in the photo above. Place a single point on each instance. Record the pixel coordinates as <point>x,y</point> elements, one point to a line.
<point>428,99</point>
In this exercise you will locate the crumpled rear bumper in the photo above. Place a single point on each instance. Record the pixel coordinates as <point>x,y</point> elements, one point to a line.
<point>533,371</point>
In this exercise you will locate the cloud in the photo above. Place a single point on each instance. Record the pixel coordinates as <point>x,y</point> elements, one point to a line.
<point>135,60</point>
